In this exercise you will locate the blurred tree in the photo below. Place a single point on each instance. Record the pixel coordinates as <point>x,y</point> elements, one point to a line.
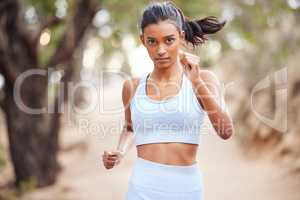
<point>33,138</point>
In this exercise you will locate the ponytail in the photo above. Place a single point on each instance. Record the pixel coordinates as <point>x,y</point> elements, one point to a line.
<point>196,30</point>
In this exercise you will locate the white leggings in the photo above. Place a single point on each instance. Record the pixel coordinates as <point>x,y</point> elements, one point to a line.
<point>155,181</point>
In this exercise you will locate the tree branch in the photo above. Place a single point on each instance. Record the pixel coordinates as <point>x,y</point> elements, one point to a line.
<point>50,21</point>
<point>80,22</point>
<point>8,72</point>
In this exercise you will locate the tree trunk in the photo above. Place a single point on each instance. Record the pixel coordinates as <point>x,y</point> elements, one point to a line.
<point>33,138</point>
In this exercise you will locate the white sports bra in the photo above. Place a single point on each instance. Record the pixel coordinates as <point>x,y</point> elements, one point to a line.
<point>175,119</point>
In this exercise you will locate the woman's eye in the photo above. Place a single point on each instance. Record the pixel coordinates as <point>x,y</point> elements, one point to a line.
<point>151,42</point>
<point>170,40</point>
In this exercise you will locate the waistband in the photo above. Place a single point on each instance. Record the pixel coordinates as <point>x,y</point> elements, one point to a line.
<point>178,168</point>
<point>164,177</point>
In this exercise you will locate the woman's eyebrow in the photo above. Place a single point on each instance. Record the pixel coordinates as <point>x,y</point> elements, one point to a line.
<point>167,36</point>
<point>149,37</point>
<point>172,35</point>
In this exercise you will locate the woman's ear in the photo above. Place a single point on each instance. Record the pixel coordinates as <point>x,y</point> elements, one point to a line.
<point>142,39</point>
<point>182,35</point>
<point>182,38</point>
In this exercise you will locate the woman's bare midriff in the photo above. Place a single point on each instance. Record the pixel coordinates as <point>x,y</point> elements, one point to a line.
<point>169,153</point>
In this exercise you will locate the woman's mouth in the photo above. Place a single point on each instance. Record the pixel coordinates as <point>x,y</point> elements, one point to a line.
<point>162,60</point>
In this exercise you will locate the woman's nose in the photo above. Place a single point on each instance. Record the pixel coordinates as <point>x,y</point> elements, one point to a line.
<point>161,50</point>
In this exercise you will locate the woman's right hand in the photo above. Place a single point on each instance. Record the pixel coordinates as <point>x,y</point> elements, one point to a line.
<point>112,158</point>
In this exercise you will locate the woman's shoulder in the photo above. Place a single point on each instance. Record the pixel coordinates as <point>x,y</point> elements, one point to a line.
<point>129,88</point>
<point>131,84</point>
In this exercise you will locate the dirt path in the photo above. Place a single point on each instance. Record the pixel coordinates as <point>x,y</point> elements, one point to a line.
<point>227,174</point>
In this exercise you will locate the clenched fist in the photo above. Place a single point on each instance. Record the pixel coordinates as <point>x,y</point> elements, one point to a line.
<point>112,158</point>
<point>190,63</point>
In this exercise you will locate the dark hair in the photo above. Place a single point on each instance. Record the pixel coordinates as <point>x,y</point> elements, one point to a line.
<point>195,30</point>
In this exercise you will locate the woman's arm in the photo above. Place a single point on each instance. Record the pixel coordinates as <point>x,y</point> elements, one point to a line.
<point>126,139</point>
<point>210,96</point>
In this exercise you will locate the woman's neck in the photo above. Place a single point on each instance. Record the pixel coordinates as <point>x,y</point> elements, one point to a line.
<point>168,73</point>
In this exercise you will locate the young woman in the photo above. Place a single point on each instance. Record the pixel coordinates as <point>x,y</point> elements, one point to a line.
<point>164,110</point>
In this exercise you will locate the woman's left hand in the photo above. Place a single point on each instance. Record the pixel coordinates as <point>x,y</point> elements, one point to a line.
<point>191,66</point>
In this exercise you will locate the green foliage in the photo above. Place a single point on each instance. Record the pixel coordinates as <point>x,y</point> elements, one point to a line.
<point>2,160</point>
<point>198,9</point>
<point>44,8</point>
<point>125,14</point>
<point>46,52</point>
<point>17,193</point>
<point>27,186</point>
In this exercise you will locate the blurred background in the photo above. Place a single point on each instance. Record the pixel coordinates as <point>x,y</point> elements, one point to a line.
<point>62,66</point>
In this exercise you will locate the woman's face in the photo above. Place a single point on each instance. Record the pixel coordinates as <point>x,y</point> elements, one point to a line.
<point>163,42</point>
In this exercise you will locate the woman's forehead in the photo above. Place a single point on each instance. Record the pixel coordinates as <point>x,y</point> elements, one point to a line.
<point>161,29</point>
